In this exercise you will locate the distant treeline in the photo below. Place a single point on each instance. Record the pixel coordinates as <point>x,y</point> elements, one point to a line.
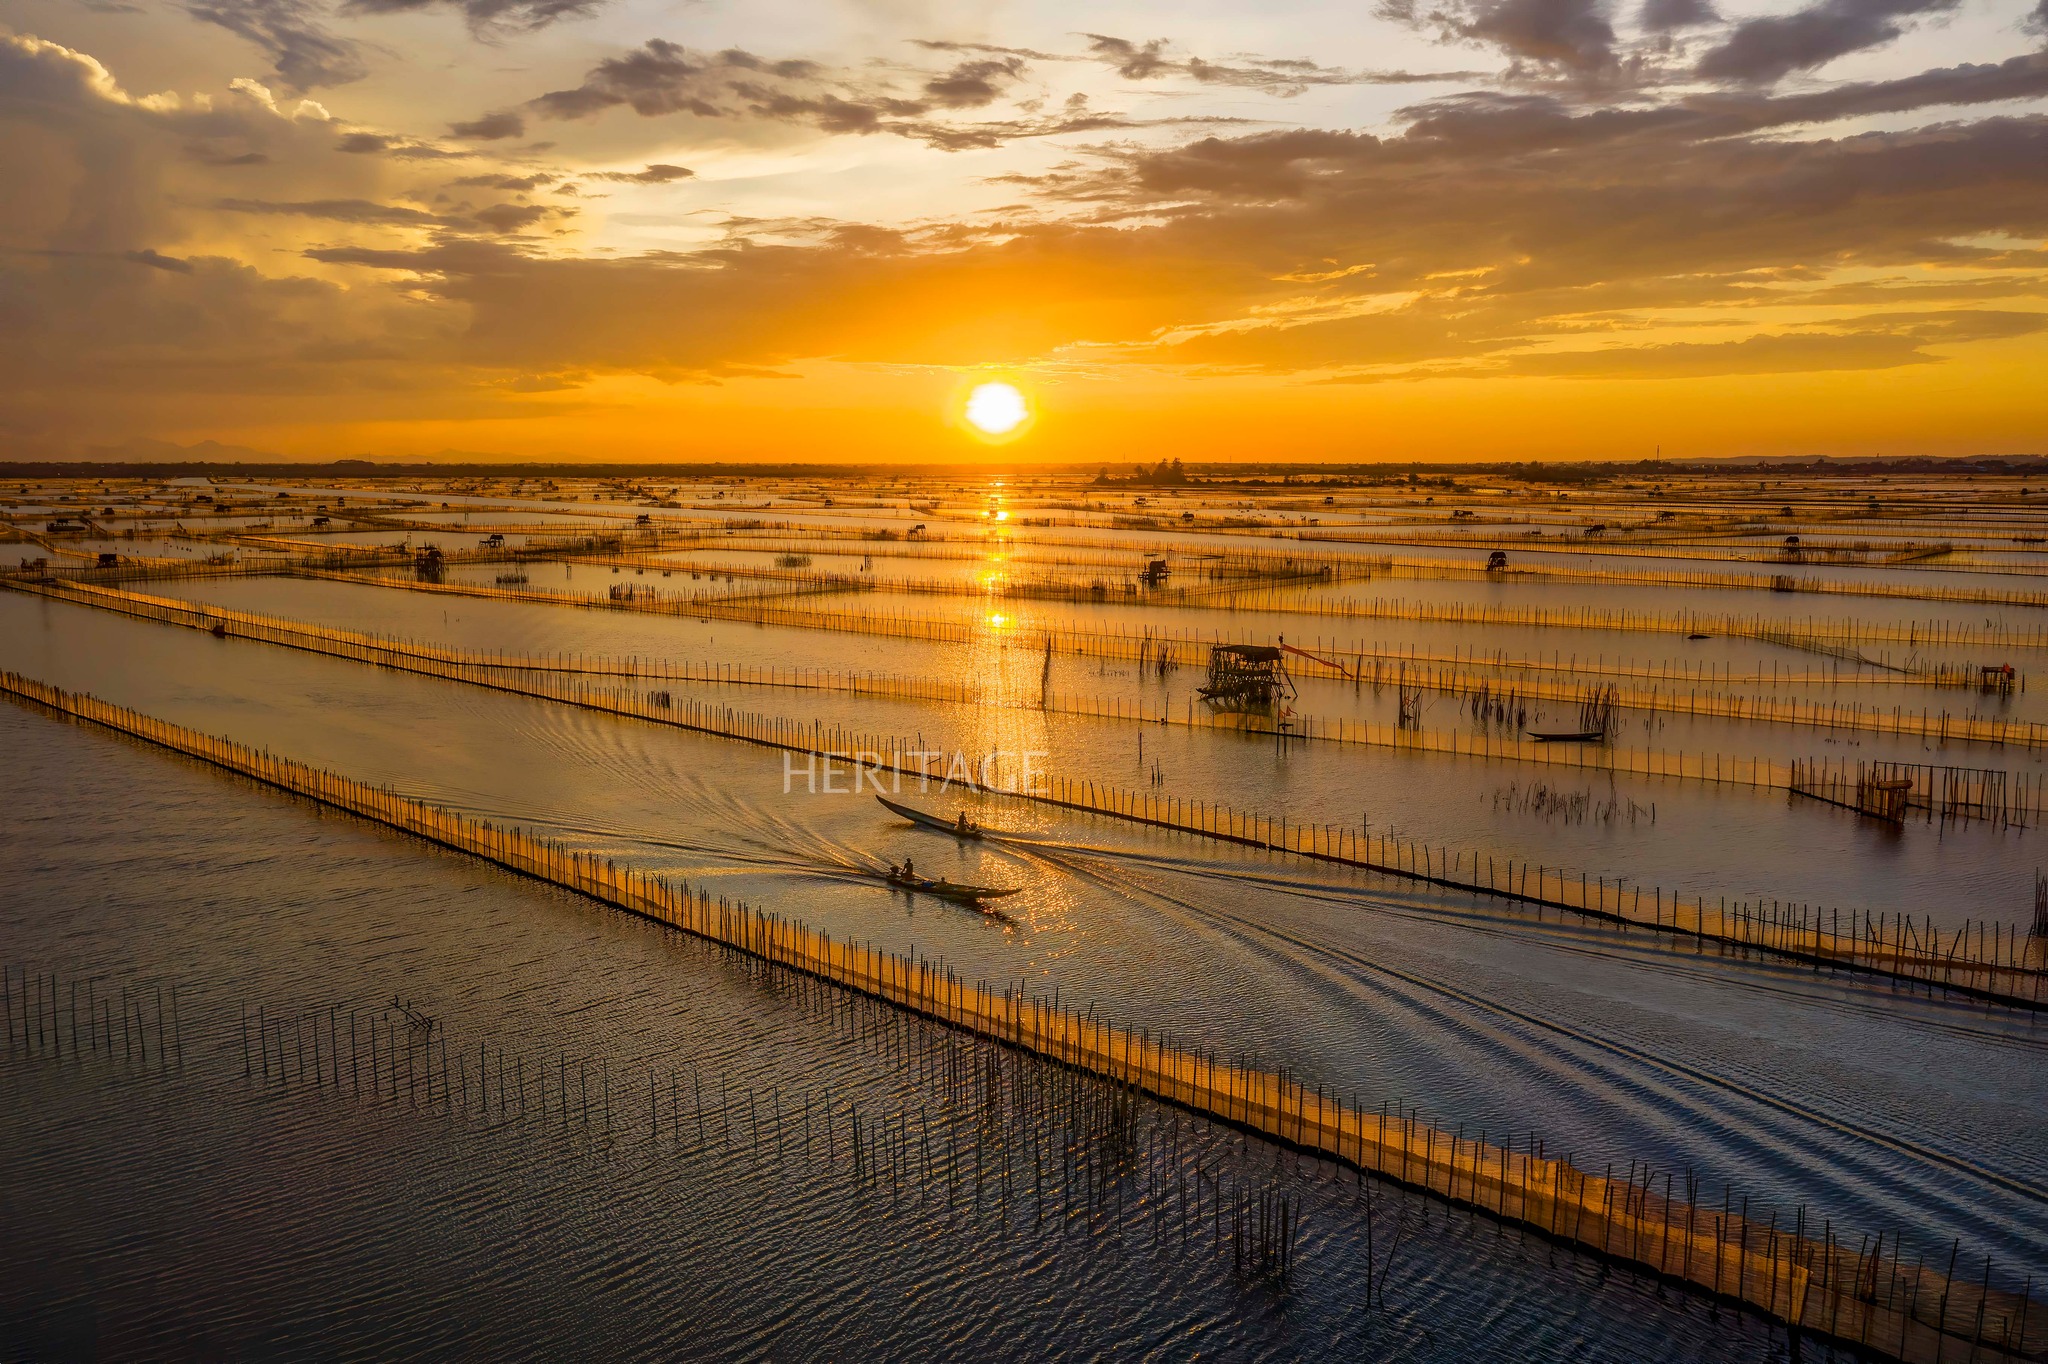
<point>1309,475</point>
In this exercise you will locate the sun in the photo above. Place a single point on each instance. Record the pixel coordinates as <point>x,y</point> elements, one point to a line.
<point>996,409</point>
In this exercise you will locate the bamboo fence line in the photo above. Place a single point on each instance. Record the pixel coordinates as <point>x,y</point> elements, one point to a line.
<point>1704,544</point>
<point>1190,648</point>
<point>1773,710</point>
<point>497,670</point>
<point>1813,1285</point>
<point>1928,634</point>
<point>1440,568</point>
<point>1943,675</point>
<point>2025,798</point>
<point>1213,594</point>
<point>1311,570</point>
<point>1986,958</point>
<point>1781,581</point>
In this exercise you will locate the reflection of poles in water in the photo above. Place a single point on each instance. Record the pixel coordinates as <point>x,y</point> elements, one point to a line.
<point>1045,675</point>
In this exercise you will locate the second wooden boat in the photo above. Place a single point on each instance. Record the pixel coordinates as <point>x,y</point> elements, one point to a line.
<point>929,821</point>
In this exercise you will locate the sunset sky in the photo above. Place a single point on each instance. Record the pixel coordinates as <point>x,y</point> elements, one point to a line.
<point>806,229</point>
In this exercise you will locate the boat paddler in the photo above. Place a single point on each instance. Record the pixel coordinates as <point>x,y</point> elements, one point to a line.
<point>964,828</point>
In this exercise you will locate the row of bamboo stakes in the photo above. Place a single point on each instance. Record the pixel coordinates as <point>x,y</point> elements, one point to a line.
<point>2023,797</point>
<point>1987,959</point>
<point>1009,1133</point>
<point>1813,1285</point>
<point>1438,567</point>
<point>1418,567</point>
<point>1190,649</point>
<point>906,624</point>
<point>1919,634</point>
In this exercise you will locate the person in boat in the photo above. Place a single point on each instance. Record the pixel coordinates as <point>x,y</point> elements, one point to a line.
<point>963,828</point>
<point>895,872</point>
<point>909,872</point>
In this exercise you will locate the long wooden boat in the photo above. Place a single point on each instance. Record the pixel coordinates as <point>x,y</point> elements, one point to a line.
<point>951,890</point>
<point>1567,736</point>
<point>929,821</point>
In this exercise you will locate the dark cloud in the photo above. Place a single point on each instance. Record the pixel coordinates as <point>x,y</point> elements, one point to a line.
<point>491,127</point>
<point>498,218</point>
<point>362,143</point>
<point>653,175</point>
<point>213,158</point>
<point>1568,33</point>
<point>515,183</point>
<point>971,85</point>
<point>1573,35</point>
<point>1764,49</point>
<point>1285,77</point>
<point>308,55</point>
<point>360,211</point>
<point>304,54</point>
<point>157,260</point>
<point>660,78</point>
<point>1668,16</point>
<point>993,50</point>
<point>513,218</point>
<point>1132,61</point>
<point>484,15</point>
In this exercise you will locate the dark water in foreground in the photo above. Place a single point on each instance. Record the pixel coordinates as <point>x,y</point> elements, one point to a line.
<point>180,1211</point>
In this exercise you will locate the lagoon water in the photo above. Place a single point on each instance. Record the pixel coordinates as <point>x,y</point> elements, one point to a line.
<point>188,1204</point>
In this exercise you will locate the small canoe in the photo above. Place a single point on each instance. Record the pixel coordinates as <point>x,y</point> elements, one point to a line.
<point>1562,736</point>
<point>952,890</point>
<point>919,817</point>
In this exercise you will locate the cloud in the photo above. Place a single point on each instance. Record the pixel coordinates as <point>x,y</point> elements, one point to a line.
<point>487,15</point>
<point>1573,35</point>
<point>971,85</point>
<point>498,180</point>
<point>1667,16</point>
<point>305,55</point>
<point>1132,61</point>
<point>340,211</point>
<point>1551,231</point>
<point>1764,49</point>
<point>513,218</point>
<point>1854,347</point>
<point>652,175</point>
<point>1569,33</point>
<point>500,218</point>
<point>362,142</point>
<point>661,78</point>
<point>1285,77</point>
<point>491,127</point>
<point>159,261</point>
